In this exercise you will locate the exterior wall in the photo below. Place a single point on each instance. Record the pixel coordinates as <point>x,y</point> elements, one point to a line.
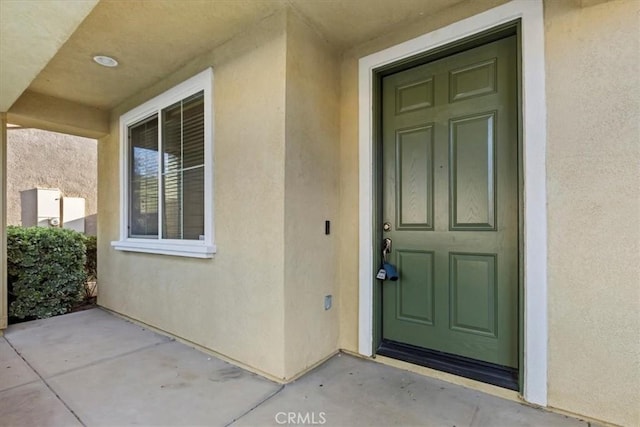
<point>311,197</point>
<point>593,169</point>
<point>38,158</point>
<point>4,310</point>
<point>260,301</point>
<point>592,57</point>
<point>232,304</point>
<point>279,169</point>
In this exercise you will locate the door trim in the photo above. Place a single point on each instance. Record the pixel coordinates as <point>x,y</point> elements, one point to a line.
<point>533,110</point>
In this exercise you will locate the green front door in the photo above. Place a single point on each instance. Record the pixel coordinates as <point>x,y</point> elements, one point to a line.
<point>450,196</point>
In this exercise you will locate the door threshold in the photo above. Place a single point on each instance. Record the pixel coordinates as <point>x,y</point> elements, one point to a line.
<point>501,376</point>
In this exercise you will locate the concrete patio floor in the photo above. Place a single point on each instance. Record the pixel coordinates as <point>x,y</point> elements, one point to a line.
<point>93,368</point>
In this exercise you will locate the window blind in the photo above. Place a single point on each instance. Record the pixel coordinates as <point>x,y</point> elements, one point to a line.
<point>143,178</point>
<point>183,169</point>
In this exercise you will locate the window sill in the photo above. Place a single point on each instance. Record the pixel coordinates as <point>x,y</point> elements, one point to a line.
<point>190,250</point>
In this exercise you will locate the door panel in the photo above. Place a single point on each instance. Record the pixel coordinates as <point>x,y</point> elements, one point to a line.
<point>473,80</point>
<point>472,173</point>
<point>473,293</point>
<point>414,96</point>
<point>415,299</point>
<point>450,189</point>
<point>414,168</point>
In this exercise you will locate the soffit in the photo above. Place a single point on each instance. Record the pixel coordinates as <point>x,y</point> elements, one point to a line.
<point>31,32</point>
<point>347,23</point>
<point>152,39</point>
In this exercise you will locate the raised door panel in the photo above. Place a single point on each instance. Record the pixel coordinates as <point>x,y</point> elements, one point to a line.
<point>472,173</point>
<point>473,80</point>
<point>414,96</point>
<point>414,172</point>
<point>415,288</point>
<point>473,304</point>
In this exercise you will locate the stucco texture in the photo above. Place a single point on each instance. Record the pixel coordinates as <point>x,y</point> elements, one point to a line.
<point>30,37</point>
<point>286,160</point>
<point>37,158</point>
<point>3,220</point>
<point>232,304</point>
<point>35,110</point>
<point>311,197</point>
<point>593,169</point>
<point>260,300</point>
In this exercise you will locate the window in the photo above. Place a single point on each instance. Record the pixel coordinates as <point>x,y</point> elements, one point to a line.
<point>166,172</point>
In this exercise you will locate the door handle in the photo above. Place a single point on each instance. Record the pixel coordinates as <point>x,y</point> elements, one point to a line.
<point>387,271</point>
<point>386,248</point>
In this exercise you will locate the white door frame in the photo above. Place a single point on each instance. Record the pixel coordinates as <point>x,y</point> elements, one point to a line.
<point>530,12</point>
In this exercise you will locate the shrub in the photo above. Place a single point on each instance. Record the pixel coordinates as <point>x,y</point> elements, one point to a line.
<point>91,265</point>
<point>46,271</point>
<point>91,268</point>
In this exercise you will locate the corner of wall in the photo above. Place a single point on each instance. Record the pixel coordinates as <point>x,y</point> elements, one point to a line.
<point>232,304</point>
<point>4,314</point>
<point>311,196</point>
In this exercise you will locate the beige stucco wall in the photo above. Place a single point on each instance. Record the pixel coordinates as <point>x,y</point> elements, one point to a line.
<point>3,220</point>
<point>286,147</point>
<point>37,158</point>
<point>232,304</point>
<point>593,167</point>
<point>311,196</point>
<point>25,53</point>
<point>39,111</point>
<point>260,301</point>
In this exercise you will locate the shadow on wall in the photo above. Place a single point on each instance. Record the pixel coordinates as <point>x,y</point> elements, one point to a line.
<point>91,225</point>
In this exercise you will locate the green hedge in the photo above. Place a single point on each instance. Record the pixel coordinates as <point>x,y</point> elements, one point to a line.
<point>91,265</point>
<point>46,271</point>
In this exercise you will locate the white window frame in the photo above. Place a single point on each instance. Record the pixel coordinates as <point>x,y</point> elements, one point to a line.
<point>188,248</point>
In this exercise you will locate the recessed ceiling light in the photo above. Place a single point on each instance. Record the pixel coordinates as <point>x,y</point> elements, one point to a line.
<point>105,61</point>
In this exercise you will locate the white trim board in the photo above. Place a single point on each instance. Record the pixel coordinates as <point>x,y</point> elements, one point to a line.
<point>534,156</point>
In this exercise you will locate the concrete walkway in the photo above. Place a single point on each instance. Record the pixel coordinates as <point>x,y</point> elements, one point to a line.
<point>92,368</point>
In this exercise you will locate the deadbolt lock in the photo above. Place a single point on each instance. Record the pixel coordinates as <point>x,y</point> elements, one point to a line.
<point>386,226</point>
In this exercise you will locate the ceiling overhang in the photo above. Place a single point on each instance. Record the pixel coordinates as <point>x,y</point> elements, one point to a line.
<point>36,110</point>
<point>31,33</point>
<point>48,46</point>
